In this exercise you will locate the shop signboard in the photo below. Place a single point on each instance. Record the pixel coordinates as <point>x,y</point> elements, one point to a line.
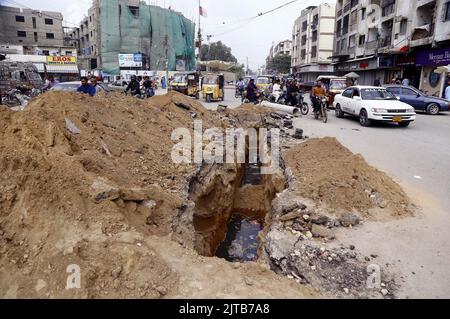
<point>130,60</point>
<point>61,60</point>
<point>436,57</point>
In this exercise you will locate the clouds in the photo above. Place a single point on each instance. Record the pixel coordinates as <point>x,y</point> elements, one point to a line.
<point>228,21</point>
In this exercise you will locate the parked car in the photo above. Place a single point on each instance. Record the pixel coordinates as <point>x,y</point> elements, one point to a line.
<point>419,100</point>
<point>73,86</point>
<point>120,85</point>
<point>371,103</point>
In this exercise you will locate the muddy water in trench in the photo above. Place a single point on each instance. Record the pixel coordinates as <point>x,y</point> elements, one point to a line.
<point>242,240</point>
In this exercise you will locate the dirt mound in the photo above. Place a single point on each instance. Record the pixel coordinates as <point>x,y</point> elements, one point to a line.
<point>90,182</point>
<point>327,172</point>
<point>83,181</point>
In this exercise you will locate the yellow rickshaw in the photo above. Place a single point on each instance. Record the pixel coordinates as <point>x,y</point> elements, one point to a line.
<point>213,87</point>
<point>186,83</point>
<point>264,81</point>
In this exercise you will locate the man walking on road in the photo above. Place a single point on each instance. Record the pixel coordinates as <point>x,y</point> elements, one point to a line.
<point>86,87</point>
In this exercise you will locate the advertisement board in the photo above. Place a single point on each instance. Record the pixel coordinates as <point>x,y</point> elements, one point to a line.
<point>62,60</point>
<point>130,60</point>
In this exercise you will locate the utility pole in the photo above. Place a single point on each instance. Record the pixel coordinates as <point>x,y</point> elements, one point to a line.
<point>199,35</point>
<point>166,45</point>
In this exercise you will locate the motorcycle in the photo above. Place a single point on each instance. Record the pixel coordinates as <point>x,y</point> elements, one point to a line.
<point>258,99</point>
<point>322,112</point>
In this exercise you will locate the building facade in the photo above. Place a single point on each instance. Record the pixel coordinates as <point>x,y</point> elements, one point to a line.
<point>312,42</point>
<point>393,39</point>
<point>28,27</point>
<point>283,47</point>
<point>128,35</point>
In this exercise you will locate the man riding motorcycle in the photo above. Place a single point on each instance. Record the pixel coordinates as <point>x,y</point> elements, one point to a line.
<point>134,87</point>
<point>240,87</point>
<point>252,91</point>
<point>277,92</point>
<point>317,93</point>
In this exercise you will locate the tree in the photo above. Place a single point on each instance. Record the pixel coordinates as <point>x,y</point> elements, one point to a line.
<point>217,51</point>
<point>280,63</point>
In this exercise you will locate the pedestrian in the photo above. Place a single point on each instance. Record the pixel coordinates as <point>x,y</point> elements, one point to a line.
<point>377,82</point>
<point>447,91</point>
<point>86,87</point>
<point>405,82</point>
<point>251,91</point>
<point>49,83</point>
<point>94,83</point>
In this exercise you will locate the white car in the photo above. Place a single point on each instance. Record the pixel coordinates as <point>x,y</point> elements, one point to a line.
<point>371,103</point>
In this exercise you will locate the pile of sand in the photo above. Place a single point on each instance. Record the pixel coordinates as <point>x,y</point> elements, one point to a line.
<point>329,173</point>
<point>83,195</point>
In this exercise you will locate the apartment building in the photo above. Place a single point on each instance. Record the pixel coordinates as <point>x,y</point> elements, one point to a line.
<point>312,42</point>
<point>283,47</point>
<point>128,35</point>
<point>29,27</point>
<point>387,39</point>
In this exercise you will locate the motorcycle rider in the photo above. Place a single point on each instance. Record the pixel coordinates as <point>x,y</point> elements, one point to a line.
<point>251,91</point>
<point>148,86</point>
<point>317,93</point>
<point>277,92</point>
<point>134,87</point>
<point>240,86</point>
<point>292,91</point>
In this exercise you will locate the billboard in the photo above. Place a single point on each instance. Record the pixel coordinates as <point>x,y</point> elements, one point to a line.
<point>62,60</point>
<point>130,60</point>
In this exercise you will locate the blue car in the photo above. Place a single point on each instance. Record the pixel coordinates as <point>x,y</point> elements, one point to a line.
<point>418,100</point>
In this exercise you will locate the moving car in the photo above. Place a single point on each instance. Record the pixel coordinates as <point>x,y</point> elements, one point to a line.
<point>418,100</point>
<point>120,85</point>
<point>73,86</point>
<point>371,103</point>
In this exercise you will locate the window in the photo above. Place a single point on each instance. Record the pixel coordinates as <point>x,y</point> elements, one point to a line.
<point>34,22</point>
<point>20,19</point>
<point>363,14</point>
<point>395,91</point>
<point>314,36</point>
<point>348,93</point>
<point>304,26</point>
<point>447,11</point>
<point>314,52</point>
<point>35,37</point>
<point>403,26</point>
<point>362,40</point>
<point>69,53</point>
<point>21,34</point>
<point>134,11</point>
<point>408,92</point>
<point>304,40</point>
<point>50,35</point>
<point>49,21</point>
<point>46,52</point>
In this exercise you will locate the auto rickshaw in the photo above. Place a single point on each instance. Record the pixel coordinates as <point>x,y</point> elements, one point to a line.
<point>213,87</point>
<point>264,81</point>
<point>186,83</point>
<point>334,85</point>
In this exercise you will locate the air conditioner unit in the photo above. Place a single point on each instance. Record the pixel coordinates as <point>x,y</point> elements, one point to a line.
<point>397,27</point>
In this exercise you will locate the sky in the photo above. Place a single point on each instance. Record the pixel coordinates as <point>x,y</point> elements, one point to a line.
<point>228,21</point>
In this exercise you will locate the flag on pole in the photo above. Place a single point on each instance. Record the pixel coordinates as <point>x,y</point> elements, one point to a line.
<point>203,12</point>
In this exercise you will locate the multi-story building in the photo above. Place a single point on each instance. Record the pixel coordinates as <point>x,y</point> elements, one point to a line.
<point>30,27</point>
<point>387,39</point>
<point>35,36</point>
<point>142,36</point>
<point>312,42</point>
<point>283,47</point>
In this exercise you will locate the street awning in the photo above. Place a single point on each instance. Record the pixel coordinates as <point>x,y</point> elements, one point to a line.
<point>40,67</point>
<point>64,69</point>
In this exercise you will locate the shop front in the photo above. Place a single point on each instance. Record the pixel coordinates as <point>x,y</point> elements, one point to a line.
<point>310,73</point>
<point>63,68</point>
<point>367,68</point>
<point>434,72</point>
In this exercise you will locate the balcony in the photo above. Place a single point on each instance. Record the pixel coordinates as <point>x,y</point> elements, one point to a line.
<point>386,41</point>
<point>347,7</point>
<point>422,35</point>
<point>339,13</point>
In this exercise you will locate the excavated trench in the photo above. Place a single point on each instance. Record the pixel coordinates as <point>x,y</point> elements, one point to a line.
<point>231,210</point>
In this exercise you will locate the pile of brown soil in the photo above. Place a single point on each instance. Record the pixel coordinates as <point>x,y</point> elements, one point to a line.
<point>329,173</point>
<point>90,182</point>
<point>80,196</point>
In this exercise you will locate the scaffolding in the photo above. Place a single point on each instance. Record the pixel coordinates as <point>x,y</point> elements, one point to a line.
<point>164,37</point>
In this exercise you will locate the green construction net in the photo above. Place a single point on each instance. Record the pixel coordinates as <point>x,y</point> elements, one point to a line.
<point>162,36</point>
